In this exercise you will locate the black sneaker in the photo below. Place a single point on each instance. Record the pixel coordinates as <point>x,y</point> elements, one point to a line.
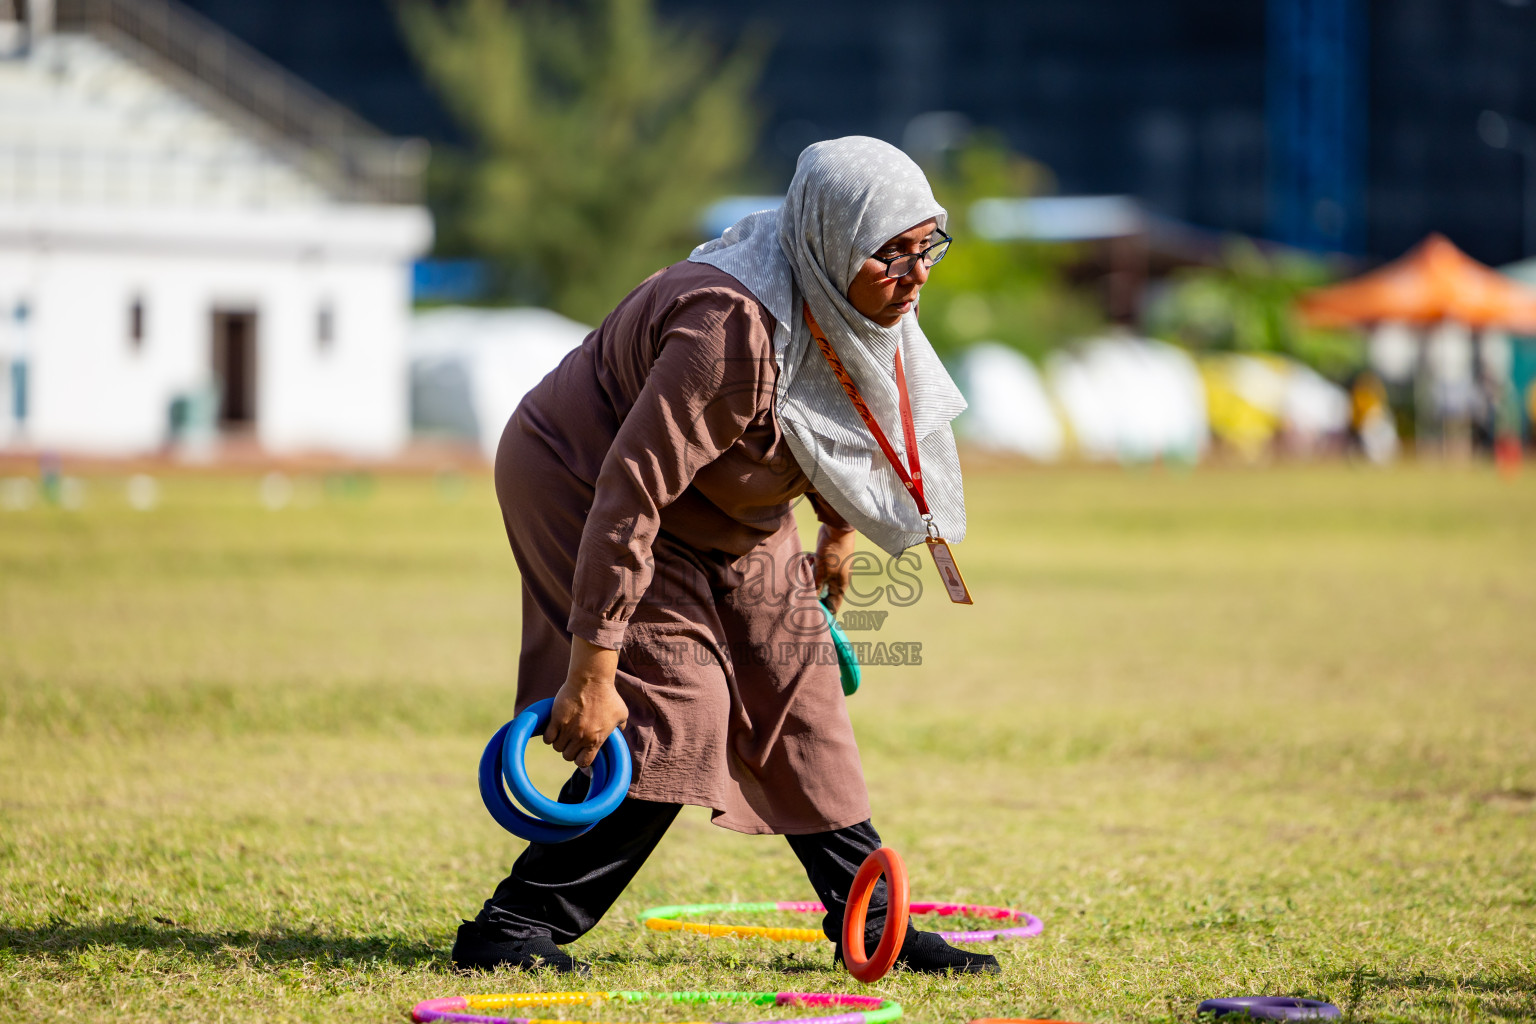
<point>472,951</point>
<point>927,953</point>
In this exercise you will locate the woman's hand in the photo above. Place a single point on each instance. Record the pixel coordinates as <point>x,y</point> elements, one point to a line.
<point>834,565</point>
<point>588,707</point>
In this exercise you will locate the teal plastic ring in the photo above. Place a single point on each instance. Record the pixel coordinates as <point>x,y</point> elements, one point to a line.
<point>847,662</point>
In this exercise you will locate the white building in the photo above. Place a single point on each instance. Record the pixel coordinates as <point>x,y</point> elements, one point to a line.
<point>184,225</point>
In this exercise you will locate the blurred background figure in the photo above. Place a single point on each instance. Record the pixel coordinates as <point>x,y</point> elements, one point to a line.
<point>216,255</point>
<point>1370,420</point>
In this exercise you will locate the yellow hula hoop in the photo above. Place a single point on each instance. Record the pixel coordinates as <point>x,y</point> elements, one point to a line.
<point>744,931</point>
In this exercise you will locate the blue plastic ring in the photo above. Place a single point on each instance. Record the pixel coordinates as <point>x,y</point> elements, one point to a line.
<point>509,816</point>
<point>606,793</point>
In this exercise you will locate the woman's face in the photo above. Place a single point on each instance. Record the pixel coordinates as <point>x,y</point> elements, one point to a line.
<point>881,298</point>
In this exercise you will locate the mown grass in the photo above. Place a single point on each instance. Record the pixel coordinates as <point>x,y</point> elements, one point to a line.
<point>1227,732</point>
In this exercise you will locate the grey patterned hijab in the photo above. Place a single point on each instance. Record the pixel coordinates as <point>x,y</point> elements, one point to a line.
<point>848,198</point>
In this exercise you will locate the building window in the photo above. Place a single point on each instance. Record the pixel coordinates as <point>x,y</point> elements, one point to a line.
<point>325,327</point>
<point>136,323</point>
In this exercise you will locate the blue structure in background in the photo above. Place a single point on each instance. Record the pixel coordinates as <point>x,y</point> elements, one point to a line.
<point>449,280</point>
<point>1317,131</point>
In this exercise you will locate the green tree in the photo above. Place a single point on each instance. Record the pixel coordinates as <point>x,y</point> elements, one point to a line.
<point>599,133</point>
<point>1248,304</point>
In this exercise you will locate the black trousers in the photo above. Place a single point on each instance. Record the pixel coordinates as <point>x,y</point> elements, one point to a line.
<point>562,890</point>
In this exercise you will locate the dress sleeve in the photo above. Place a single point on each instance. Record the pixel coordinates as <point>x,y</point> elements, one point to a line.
<point>713,373</point>
<point>827,515</point>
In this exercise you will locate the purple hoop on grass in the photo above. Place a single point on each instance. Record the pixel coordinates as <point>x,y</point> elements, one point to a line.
<point>1271,1008</point>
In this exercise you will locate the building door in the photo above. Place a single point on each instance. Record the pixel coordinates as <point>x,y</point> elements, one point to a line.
<point>234,368</point>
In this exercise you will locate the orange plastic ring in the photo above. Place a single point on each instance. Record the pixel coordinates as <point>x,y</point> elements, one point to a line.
<point>884,861</point>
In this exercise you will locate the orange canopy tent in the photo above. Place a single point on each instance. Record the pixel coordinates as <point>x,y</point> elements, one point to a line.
<point>1436,281</point>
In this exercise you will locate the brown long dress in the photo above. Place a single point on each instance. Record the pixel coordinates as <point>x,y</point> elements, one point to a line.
<point>646,491</point>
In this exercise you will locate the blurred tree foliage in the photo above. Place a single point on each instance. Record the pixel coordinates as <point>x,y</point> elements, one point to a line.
<point>1248,304</point>
<point>599,132</point>
<point>1014,292</point>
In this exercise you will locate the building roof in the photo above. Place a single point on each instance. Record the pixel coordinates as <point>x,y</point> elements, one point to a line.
<point>141,103</point>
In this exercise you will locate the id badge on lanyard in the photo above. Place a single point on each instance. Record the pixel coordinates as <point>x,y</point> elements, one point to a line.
<point>911,478</point>
<point>949,572</point>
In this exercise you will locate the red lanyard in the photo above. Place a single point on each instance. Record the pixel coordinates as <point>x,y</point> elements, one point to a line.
<point>943,558</point>
<point>912,479</point>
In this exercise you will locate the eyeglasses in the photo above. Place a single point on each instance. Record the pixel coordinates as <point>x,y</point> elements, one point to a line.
<point>897,267</point>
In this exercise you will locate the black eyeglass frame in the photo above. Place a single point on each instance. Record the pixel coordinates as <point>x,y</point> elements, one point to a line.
<point>943,242</point>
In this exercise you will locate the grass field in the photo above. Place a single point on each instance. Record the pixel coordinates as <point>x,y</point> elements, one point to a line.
<point>1227,732</point>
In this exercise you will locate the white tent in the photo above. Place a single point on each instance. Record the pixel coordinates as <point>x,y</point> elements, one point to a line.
<point>1315,408</point>
<point>1009,408</point>
<point>470,367</point>
<point>1131,399</point>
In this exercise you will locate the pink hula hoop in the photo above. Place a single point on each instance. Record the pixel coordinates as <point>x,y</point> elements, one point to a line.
<point>1031,926</point>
